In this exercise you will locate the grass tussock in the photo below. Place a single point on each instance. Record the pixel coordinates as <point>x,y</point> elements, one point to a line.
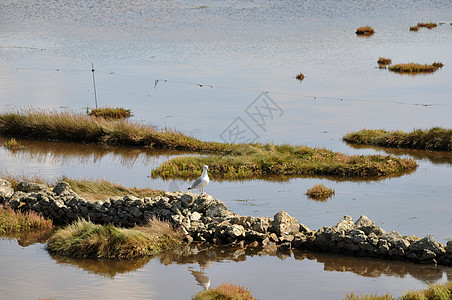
<point>365,30</point>
<point>431,139</point>
<point>13,144</point>
<point>384,61</point>
<point>320,192</point>
<point>111,113</point>
<point>429,25</point>
<point>231,161</point>
<point>225,291</point>
<point>85,239</point>
<point>414,28</point>
<point>16,222</point>
<point>415,68</point>
<point>299,76</point>
<point>434,292</point>
<point>284,160</point>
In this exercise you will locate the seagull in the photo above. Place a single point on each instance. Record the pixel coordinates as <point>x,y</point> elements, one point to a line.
<point>202,181</point>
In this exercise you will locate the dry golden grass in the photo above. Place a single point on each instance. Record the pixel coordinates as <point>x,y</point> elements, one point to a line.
<point>365,30</point>
<point>414,68</point>
<point>299,76</point>
<point>110,113</point>
<point>429,25</point>
<point>384,61</point>
<point>225,291</point>
<point>320,192</point>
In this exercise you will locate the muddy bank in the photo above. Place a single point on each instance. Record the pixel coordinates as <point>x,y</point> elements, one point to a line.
<point>206,219</point>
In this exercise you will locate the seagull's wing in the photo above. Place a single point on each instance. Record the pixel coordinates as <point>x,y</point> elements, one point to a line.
<point>196,183</point>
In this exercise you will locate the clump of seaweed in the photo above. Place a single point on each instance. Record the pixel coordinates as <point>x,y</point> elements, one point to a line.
<point>365,30</point>
<point>320,192</point>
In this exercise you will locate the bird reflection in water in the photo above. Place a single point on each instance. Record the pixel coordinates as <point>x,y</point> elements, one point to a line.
<point>200,276</point>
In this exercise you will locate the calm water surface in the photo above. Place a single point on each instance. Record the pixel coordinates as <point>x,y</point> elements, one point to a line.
<point>212,60</point>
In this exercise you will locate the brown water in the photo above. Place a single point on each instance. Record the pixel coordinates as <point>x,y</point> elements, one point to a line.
<point>212,64</point>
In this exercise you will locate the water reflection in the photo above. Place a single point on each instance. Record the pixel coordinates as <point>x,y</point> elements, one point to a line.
<point>435,157</point>
<point>30,237</point>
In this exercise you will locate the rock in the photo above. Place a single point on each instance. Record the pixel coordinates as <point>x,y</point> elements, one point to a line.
<point>427,243</point>
<point>283,223</point>
<point>62,187</point>
<point>346,223</point>
<point>449,247</point>
<point>6,191</point>
<point>261,224</point>
<point>27,187</point>
<point>196,216</point>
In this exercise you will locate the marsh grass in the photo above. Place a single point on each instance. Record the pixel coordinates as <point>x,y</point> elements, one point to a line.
<point>111,113</point>
<point>16,222</point>
<point>13,144</point>
<point>90,189</point>
<point>384,61</point>
<point>229,161</point>
<point>414,28</point>
<point>320,192</point>
<point>429,25</point>
<point>88,240</point>
<point>299,76</point>
<point>434,292</point>
<point>436,138</point>
<point>415,68</point>
<point>225,291</point>
<point>365,30</point>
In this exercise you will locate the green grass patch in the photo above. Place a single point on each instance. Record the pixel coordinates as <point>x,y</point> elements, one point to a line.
<point>16,222</point>
<point>415,68</point>
<point>434,292</point>
<point>110,113</point>
<point>320,192</point>
<point>431,139</point>
<point>365,30</point>
<point>13,144</point>
<point>228,161</point>
<point>88,240</point>
<point>225,291</point>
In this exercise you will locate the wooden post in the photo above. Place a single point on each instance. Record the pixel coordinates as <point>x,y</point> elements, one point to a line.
<point>94,83</point>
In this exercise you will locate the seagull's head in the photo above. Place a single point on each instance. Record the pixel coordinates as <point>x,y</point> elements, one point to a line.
<point>206,167</point>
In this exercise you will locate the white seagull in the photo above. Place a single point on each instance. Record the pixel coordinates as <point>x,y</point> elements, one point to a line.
<point>202,181</point>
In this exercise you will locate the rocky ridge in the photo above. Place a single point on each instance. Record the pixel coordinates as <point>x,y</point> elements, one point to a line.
<point>207,219</point>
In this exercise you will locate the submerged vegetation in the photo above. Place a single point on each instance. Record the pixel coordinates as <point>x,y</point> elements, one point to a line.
<point>319,192</point>
<point>431,139</point>
<point>365,30</point>
<point>16,222</point>
<point>225,291</point>
<point>434,292</point>
<point>110,113</point>
<point>229,161</point>
<point>85,239</point>
<point>415,68</point>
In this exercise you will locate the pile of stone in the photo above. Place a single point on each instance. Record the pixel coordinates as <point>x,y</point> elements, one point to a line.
<point>209,220</point>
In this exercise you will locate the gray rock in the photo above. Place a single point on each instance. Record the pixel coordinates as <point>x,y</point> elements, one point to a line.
<point>427,243</point>
<point>6,191</point>
<point>62,187</point>
<point>235,231</point>
<point>283,223</point>
<point>449,247</point>
<point>26,186</point>
<point>346,223</point>
<point>261,224</point>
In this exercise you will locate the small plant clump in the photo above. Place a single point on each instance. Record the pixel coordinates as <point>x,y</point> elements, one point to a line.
<point>13,144</point>
<point>110,113</point>
<point>299,76</point>
<point>320,192</point>
<point>225,291</point>
<point>429,25</point>
<point>414,28</point>
<point>436,138</point>
<point>366,30</point>
<point>14,222</point>
<point>383,62</point>
<point>87,240</point>
<point>434,292</point>
<point>413,68</point>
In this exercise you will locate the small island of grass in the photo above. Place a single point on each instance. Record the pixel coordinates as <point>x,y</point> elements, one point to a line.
<point>320,192</point>
<point>299,76</point>
<point>428,25</point>
<point>413,68</point>
<point>431,139</point>
<point>383,62</point>
<point>365,30</point>
<point>110,113</point>
<point>225,291</point>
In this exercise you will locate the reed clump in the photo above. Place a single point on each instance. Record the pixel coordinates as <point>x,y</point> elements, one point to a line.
<point>110,113</point>
<point>365,30</point>
<point>436,138</point>
<point>87,240</point>
<point>415,68</point>
<point>433,292</point>
<point>428,25</point>
<point>16,222</point>
<point>414,28</point>
<point>320,192</point>
<point>383,62</point>
<point>13,144</point>
<point>226,291</point>
<point>300,76</point>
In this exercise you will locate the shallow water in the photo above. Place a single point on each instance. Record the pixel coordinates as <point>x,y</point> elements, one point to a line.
<point>212,61</point>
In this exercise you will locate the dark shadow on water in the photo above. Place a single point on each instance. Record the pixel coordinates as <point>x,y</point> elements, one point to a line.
<point>435,157</point>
